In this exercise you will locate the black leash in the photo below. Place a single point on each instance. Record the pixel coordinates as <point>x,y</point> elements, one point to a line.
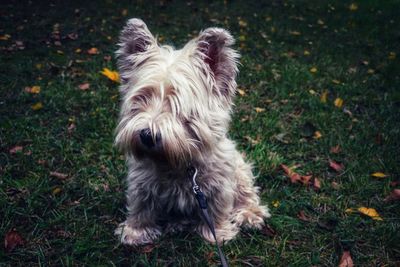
<point>201,198</point>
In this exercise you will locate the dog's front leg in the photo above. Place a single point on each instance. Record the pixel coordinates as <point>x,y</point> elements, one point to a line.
<point>140,226</point>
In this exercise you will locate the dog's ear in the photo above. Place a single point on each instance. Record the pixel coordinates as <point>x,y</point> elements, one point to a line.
<point>214,45</point>
<point>134,39</point>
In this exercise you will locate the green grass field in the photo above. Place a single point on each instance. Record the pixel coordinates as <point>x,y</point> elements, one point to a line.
<point>299,58</point>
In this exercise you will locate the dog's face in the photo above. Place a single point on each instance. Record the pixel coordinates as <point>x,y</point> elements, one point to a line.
<point>175,103</point>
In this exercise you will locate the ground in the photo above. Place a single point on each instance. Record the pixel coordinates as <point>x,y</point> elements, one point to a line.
<point>319,85</point>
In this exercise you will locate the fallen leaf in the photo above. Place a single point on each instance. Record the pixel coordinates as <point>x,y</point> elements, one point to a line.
<point>37,106</point>
<point>335,149</point>
<point>112,75</point>
<point>349,210</point>
<point>84,86</point>
<point>317,135</point>
<point>16,149</point>
<point>346,260</point>
<point>294,177</point>
<point>147,248</point>
<point>371,212</point>
<point>251,140</point>
<point>59,175</point>
<point>295,33</point>
<point>276,203</point>
<point>324,96</point>
<point>392,55</point>
<point>124,12</point>
<point>33,90</point>
<point>71,127</point>
<point>268,231</point>
<point>316,184</point>
<point>259,110</point>
<point>93,51</point>
<point>241,92</point>
<point>394,195</point>
<point>5,37</point>
<point>335,185</point>
<point>12,240</point>
<point>370,71</point>
<point>313,70</point>
<point>338,102</point>
<point>56,191</point>
<point>336,166</point>
<point>379,175</point>
<point>336,81</point>
<point>394,183</point>
<point>306,53</point>
<point>303,217</point>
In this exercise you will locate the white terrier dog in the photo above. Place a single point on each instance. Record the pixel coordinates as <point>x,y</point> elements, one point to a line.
<point>175,112</point>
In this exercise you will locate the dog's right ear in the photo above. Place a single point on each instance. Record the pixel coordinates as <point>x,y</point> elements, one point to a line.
<point>134,39</point>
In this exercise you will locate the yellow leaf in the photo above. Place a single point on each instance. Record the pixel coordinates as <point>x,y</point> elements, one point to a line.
<point>317,135</point>
<point>276,203</point>
<point>242,38</point>
<point>379,175</point>
<point>349,210</point>
<point>56,191</point>
<point>112,75</point>
<point>392,55</point>
<point>312,91</point>
<point>313,70</point>
<point>306,53</point>
<point>241,92</point>
<point>78,50</point>
<point>353,7</point>
<point>338,102</point>
<point>371,213</point>
<point>324,96</point>
<point>35,89</point>
<point>242,23</point>
<point>259,110</point>
<point>37,106</point>
<point>336,81</point>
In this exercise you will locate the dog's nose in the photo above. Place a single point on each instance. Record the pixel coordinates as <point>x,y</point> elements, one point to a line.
<point>147,139</point>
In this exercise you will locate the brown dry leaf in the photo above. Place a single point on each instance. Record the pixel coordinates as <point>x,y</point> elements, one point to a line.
<point>12,240</point>
<point>16,149</point>
<point>93,51</point>
<point>303,217</point>
<point>394,195</point>
<point>317,135</point>
<point>147,248</point>
<point>316,184</point>
<point>56,191</point>
<point>268,231</point>
<point>259,110</point>
<point>251,140</point>
<point>346,260</point>
<point>294,177</point>
<point>335,149</point>
<point>336,166</point>
<point>84,86</point>
<point>59,175</point>
<point>305,179</point>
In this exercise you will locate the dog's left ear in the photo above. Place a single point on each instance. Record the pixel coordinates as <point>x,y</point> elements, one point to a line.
<point>214,45</point>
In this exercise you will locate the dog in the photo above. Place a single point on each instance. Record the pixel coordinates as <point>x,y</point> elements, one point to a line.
<point>175,111</point>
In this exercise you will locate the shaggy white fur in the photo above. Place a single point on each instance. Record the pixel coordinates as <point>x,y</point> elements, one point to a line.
<point>175,111</point>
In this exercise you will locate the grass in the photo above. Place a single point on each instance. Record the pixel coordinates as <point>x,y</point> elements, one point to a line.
<point>70,222</point>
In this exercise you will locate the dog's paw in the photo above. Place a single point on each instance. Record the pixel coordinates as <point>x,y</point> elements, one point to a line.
<point>136,236</point>
<point>253,217</point>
